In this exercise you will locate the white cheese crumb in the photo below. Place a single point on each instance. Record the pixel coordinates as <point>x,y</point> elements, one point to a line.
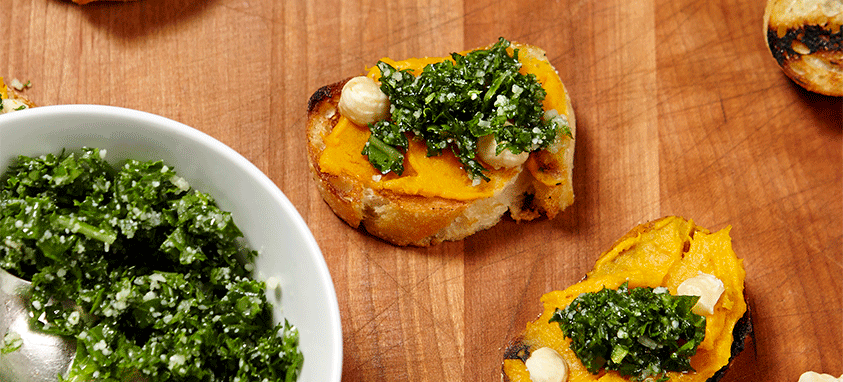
<point>487,148</point>
<point>73,318</point>
<point>15,83</point>
<point>102,347</point>
<point>708,287</point>
<point>180,183</point>
<point>272,282</point>
<point>176,361</point>
<point>11,340</point>
<point>10,105</point>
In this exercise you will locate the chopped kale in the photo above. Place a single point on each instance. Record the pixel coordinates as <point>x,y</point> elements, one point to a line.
<point>641,333</point>
<point>147,274</point>
<point>451,104</point>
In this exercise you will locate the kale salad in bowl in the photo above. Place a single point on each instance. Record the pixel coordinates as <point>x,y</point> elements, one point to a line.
<point>156,253</point>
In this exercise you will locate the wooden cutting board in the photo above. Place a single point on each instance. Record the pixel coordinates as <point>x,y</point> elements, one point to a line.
<point>680,110</point>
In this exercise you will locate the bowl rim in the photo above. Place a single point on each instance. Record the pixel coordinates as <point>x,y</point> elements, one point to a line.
<point>155,121</point>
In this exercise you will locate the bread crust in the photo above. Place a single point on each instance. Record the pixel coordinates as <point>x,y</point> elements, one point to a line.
<point>404,219</point>
<point>806,39</point>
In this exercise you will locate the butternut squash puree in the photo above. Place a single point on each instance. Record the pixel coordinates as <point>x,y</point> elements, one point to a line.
<point>3,94</point>
<point>672,251</point>
<point>438,176</point>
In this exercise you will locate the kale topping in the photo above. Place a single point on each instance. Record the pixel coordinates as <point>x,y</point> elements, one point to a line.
<point>147,274</point>
<point>641,333</point>
<point>450,105</point>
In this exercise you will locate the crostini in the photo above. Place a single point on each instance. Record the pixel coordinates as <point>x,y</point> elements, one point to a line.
<point>425,150</point>
<point>665,302</point>
<point>806,39</point>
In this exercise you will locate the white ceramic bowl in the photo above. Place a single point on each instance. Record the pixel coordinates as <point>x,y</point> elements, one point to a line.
<point>268,220</point>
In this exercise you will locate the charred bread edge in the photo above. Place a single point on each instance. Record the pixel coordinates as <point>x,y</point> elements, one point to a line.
<point>815,37</point>
<point>820,41</point>
<point>324,93</point>
<point>743,329</point>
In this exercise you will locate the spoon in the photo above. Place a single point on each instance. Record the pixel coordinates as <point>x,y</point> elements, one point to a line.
<point>41,357</point>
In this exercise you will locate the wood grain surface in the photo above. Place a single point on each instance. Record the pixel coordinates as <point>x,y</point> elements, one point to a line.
<point>681,110</point>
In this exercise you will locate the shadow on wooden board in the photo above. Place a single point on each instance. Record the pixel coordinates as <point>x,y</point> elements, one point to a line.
<point>825,109</point>
<point>132,19</point>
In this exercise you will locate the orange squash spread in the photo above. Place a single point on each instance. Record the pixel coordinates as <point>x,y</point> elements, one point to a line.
<point>3,93</point>
<point>437,176</point>
<point>671,251</point>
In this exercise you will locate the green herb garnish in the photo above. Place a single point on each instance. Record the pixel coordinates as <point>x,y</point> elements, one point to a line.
<point>450,105</point>
<point>642,333</point>
<point>11,342</point>
<point>146,273</point>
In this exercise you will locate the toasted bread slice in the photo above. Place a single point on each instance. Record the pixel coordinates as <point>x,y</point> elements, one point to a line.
<point>402,209</point>
<point>662,253</point>
<point>806,39</point>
